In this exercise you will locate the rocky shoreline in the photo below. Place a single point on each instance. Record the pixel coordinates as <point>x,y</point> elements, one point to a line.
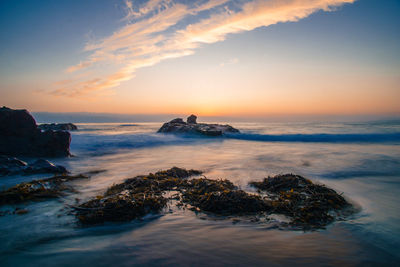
<point>307,205</point>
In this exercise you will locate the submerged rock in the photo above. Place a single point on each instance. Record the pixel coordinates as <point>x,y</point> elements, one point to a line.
<point>58,127</point>
<point>309,205</point>
<point>10,165</point>
<point>13,166</point>
<point>44,166</point>
<point>192,127</point>
<point>19,135</point>
<point>38,189</point>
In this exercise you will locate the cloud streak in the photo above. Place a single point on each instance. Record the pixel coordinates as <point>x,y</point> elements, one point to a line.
<point>166,29</point>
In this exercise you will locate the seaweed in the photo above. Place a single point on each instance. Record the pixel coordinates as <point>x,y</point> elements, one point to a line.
<point>137,196</point>
<point>221,197</point>
<point>124,206</point>
<point>309,205</point>
<point>39,189</point>
<point>133,198</point>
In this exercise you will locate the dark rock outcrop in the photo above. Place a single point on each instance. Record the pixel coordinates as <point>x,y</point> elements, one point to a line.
<point>192,119</point>
<point>19,135</point>
<point>13,166</point>
<point>192,127</point>
<point>58,127</point>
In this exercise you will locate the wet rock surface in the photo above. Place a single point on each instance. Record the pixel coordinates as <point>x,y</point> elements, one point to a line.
<point>19,135</point>
<point>44,166</point>
<point>308,205</point>
<point>192,127</point>
<point>39,189</point>
<point>133,198</point>
<point>14,166</point>
<point>221,197</point>
<point>11,165</point>
<point>58,127</point>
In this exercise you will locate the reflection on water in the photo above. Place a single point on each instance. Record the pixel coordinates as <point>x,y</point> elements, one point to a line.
<point>367,173</point>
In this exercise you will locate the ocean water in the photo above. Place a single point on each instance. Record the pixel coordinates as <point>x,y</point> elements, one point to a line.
<point>360,160</point>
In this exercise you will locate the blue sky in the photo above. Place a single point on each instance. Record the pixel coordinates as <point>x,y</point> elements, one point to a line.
<point>355,45</point>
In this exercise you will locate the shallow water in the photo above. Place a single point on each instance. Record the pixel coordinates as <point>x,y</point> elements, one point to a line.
<point>360,160</point>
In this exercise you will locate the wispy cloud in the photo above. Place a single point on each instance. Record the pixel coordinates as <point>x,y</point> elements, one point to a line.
<point>229,62</point>
<point>165,29</point>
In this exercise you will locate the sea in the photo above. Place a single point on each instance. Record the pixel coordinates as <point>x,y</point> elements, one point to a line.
<point>360,160</point>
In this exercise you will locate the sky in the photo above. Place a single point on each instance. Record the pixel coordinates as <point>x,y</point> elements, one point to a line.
<point>208,57</point>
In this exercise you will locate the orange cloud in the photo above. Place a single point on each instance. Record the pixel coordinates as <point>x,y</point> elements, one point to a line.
<point>156,33</point>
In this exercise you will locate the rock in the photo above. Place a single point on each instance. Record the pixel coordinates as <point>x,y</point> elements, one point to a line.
<point>192,127</point>
<point>133,198</point>
<point>44,166</point>
<point>58,127</point>
<point>178,121</point>
<point>192,119</point>
<point>19,211</point>
<point>19,135</point>
<point>222,197</point>
<point>38,189</point>
<point>17,123</point>
<point>309,205</point>
<point>11,165</point>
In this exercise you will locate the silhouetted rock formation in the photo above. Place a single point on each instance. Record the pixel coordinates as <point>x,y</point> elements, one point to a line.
<point>192,127</point>
<point>192,119</point>
<point>19,135</point>
<point>58,126</point>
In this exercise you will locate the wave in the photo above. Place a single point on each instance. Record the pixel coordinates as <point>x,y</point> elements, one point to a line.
<point>110,144</point>
<point>104,144</point>
<point>322,137</point>
<point>128,125</point>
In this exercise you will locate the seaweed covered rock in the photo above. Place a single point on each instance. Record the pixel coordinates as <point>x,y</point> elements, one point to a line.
<point>143,194</point>
<point>133,198</point>
<point>38,189</point>
<point>221,197</point>
<point>123,206</point>
<point>192,127</point>
<point>177,173</point>
<point>19,135</point>
<point>309,205</point>
<point>58,127</point>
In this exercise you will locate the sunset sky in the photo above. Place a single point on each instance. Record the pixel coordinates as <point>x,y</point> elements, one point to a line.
<point>217,57</point>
